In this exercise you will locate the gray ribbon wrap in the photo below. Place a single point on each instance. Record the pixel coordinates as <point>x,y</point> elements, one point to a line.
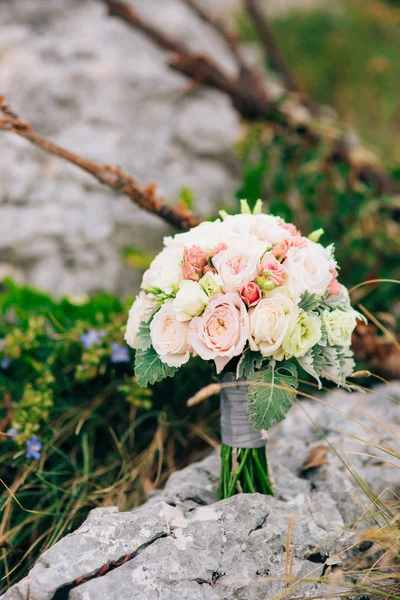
<point>236,429</point>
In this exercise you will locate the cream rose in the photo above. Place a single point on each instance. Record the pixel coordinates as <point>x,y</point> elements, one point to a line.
<point>264,227</point>
<point>165,271</point>
<point>190,301</point>
<point>207,235</point>
<point>169,336</point>
<point>305,333</point>
<point>238,264</point>
<point>222,331</point>
<point>307,268</point>
<point>339,326</point>
<point>140,312</point>
<point>270,321</point>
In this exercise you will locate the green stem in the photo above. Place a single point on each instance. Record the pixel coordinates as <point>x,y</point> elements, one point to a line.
<point>237,472</point>
<point>250,474</point>
<point>262,471</point>
<point>249,480</point>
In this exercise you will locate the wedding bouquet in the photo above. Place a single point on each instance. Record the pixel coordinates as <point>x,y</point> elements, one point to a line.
<point>258,298</point>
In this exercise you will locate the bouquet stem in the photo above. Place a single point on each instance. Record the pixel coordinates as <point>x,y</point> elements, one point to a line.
<point>243,470</point>
<point>244,466</point>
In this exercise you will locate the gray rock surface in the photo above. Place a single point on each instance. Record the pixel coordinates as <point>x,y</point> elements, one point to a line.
<point>184,544</point>
<point>90,83</point>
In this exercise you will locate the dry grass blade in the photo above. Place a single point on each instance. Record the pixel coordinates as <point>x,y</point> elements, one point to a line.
<point>113,177</point>
<point>204,393</point>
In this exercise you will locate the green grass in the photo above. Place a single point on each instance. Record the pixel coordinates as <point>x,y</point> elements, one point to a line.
<point>347,58</point>
<point>105,440</point>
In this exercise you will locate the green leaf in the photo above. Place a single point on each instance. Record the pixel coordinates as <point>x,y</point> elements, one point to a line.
<point>310,301</point>
<point>143,336</point>
<point>149,368</point>
<point>270,394</point>
<point>248,363</point>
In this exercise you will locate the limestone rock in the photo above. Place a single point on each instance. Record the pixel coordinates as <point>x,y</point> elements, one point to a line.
<point>100,88</point>
<point>183,544</point>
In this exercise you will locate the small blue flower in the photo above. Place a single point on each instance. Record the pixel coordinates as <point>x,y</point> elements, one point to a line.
<point>119,354</point>
<point>5,363</point>
<point>33,448</point>
<point>92,337</point>
<point>13,432</point>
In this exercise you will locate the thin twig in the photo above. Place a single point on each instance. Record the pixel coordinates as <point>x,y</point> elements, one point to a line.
<point>113,177</point>
<point>246,92</point>
<point>272,49</point>
<point>231,40</point>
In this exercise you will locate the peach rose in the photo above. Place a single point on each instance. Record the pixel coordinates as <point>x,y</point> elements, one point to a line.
<point>280,249</point>
<point>276,269</point>
<point>194,261</point>
<point>169,336</point>
<point>222,331</point>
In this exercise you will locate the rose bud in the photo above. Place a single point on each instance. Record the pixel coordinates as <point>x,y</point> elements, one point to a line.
<point>251,293</point>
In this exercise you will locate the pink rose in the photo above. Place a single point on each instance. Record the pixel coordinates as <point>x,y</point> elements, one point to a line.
<point>221,246</point>
<point>251,293</point>
<point>276,269</point>
<point>292,229</point>
<point>169,336</point>
<point>208,269</point>
<point>194,261</point>
<point>222,331</point>
<point>281,248</point>
<point>335,288</point>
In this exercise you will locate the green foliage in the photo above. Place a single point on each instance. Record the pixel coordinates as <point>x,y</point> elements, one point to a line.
<point>248,363</point>
<point>309,301</point>
<point>101,432</point>
<point>149,368</point>
<point>340,58</point>
<point>270,395</point>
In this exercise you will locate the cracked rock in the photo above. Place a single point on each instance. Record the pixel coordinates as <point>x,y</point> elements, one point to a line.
<point>184,544</point>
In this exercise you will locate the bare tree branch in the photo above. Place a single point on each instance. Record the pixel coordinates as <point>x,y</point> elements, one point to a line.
<point>250,97</point>
<point>272,50</point>
<point>247,94</point>
<point>113,177</point>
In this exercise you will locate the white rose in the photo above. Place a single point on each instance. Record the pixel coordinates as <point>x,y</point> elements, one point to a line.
<point>270,321</point>
<point>339,326</point>
<point>190,301</point>
<point>165,271</point>
<point>169,336</point>
<point>308,269</point>
<point>264,227</point>
<point>140,312</point>
<point>207,236</point>
<point>238,264</point>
